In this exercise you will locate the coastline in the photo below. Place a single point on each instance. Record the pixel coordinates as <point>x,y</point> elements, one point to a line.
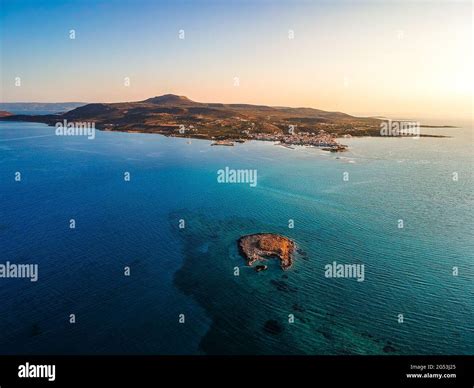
<point>335,146</point>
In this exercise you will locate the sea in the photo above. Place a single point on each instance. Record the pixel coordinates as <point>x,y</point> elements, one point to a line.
<point>135,240</point>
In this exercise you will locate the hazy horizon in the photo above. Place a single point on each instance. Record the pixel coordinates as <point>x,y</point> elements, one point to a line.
<point>400,59</point>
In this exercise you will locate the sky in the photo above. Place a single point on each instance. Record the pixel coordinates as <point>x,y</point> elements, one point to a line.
<point>400,59</point>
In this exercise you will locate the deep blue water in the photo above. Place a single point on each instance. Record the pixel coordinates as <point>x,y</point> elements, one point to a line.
<point>190,271</point>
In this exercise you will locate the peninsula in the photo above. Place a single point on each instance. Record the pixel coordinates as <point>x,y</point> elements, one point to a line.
<point>261,246</point>
<point>178,116</point>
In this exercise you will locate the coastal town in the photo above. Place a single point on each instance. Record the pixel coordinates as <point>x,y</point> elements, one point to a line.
<point>322,140</point>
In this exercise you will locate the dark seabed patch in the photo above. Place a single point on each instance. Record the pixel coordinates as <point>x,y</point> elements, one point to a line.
<point>35,330</point>
<point>299,308</point>
<point>273,327</point>
<point>282,286</point>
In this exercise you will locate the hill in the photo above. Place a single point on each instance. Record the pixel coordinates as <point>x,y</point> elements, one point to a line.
<point>179,116</point>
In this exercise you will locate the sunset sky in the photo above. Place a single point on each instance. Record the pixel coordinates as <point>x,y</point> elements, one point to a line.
<point>399,58</point>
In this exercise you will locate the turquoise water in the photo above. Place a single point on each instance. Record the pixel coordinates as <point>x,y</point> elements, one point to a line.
<point>190,271</point>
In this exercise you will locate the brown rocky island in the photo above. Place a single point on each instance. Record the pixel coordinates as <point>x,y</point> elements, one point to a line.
<point>262,246</point>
